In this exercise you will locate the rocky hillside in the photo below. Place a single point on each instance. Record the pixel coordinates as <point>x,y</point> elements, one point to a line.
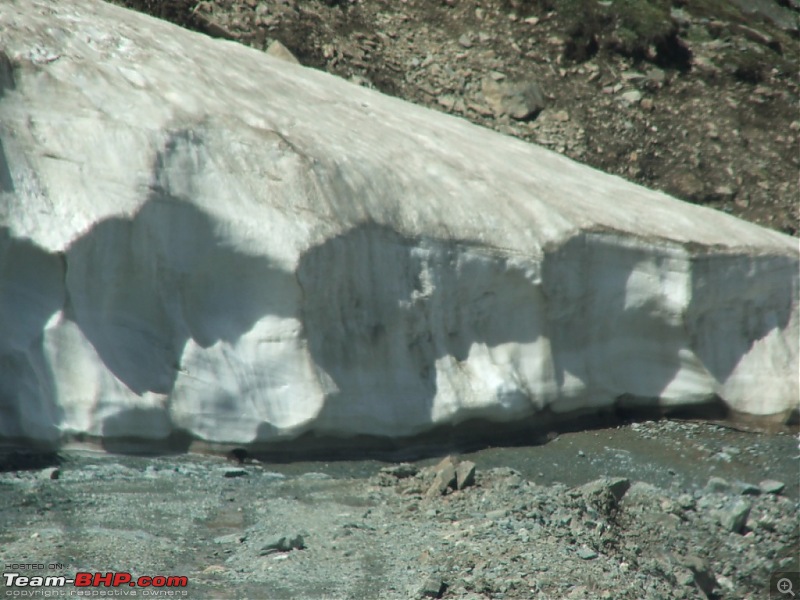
<point>694,97</point>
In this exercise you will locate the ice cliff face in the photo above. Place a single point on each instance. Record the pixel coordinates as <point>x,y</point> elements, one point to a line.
<point>196,237</point>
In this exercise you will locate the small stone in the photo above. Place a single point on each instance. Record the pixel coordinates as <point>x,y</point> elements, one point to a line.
<point>230,473</point>
<point>496,514</point>
<point>717,485</point>
<point>726,584</point>
<point>401,471</point>
<point>632,75</point>
<point>283,543</point>
<point>746,489</point>
<point>465,474</point>
<point>561,116</point>
<point>281,52</point>
<point>771,486</point>
<point>616,486</point>
<point>684,576</point>
<point>231,538</point>
<point>465,41</point>
<point>521,100</point>
<point>446,101</point>
<point>734,516</point>
<point>724,193</point>
<point>722,455</point>
<point>631,97</point>
<point>657,76</point>
<point>686,184</point>
<point>432,587</point>
<point>646,104</point>
<point>445,478</point>
<point>213,569</point>
<point>50,473</point>
<point>702,574</point>
<point>586,553</point>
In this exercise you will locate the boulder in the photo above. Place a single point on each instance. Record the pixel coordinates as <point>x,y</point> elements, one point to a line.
<point>197,239</point>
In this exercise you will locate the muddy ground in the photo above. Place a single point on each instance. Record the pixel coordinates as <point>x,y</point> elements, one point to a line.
<point>686,510</point>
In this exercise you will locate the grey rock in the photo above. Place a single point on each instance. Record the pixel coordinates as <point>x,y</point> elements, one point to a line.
<point>521,100</point>
<point>445,478</point>
<point>496,514</point>
<point>717,485</point>
<point>702,574</point>
<point>50,473</point>
<point>465,474</point>
<point>686,502</point>
<point>616,486</point>
<point>684,576</point>
<point>746,489</point>
<point>432,587</point>
<point>401,471</point>
<point>631,97</point>
<point>283,543</point>
<point>234,472</point>
<point>232,538</point>
<point>465,41</point>
<point>657,76</point>
<point>281,52</point>
<point>586,553</point>
<point>734,516</point>
<point>771,486</point>
<point>314,476</point>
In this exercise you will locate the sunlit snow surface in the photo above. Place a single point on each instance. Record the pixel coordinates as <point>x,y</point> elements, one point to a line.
<point>197,237</point>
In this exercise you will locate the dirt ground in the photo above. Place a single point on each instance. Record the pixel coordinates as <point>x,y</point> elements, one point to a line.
<point>698,98</point>
<point>658,510</point>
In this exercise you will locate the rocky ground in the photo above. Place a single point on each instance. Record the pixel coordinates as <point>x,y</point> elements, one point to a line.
<point>695,97</point>
<point>625,512</point>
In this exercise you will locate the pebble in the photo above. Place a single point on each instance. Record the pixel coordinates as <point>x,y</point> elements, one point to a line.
<point>283,543</point>
<point>717,485</point>
<point>401,471</point>
<point>771,486</point>
<point>747,489</point>
<point>234,472</point>
<point>465,474</point>
<point>432,587</point>
<point>616,486</point>
<point>50,473</point>
<point>702,575</point>
<point>734,516</point>
<point>631,97</point>
<point>445,478</point>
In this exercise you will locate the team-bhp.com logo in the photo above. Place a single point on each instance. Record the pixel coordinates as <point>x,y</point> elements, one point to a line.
<point>94,584</point>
